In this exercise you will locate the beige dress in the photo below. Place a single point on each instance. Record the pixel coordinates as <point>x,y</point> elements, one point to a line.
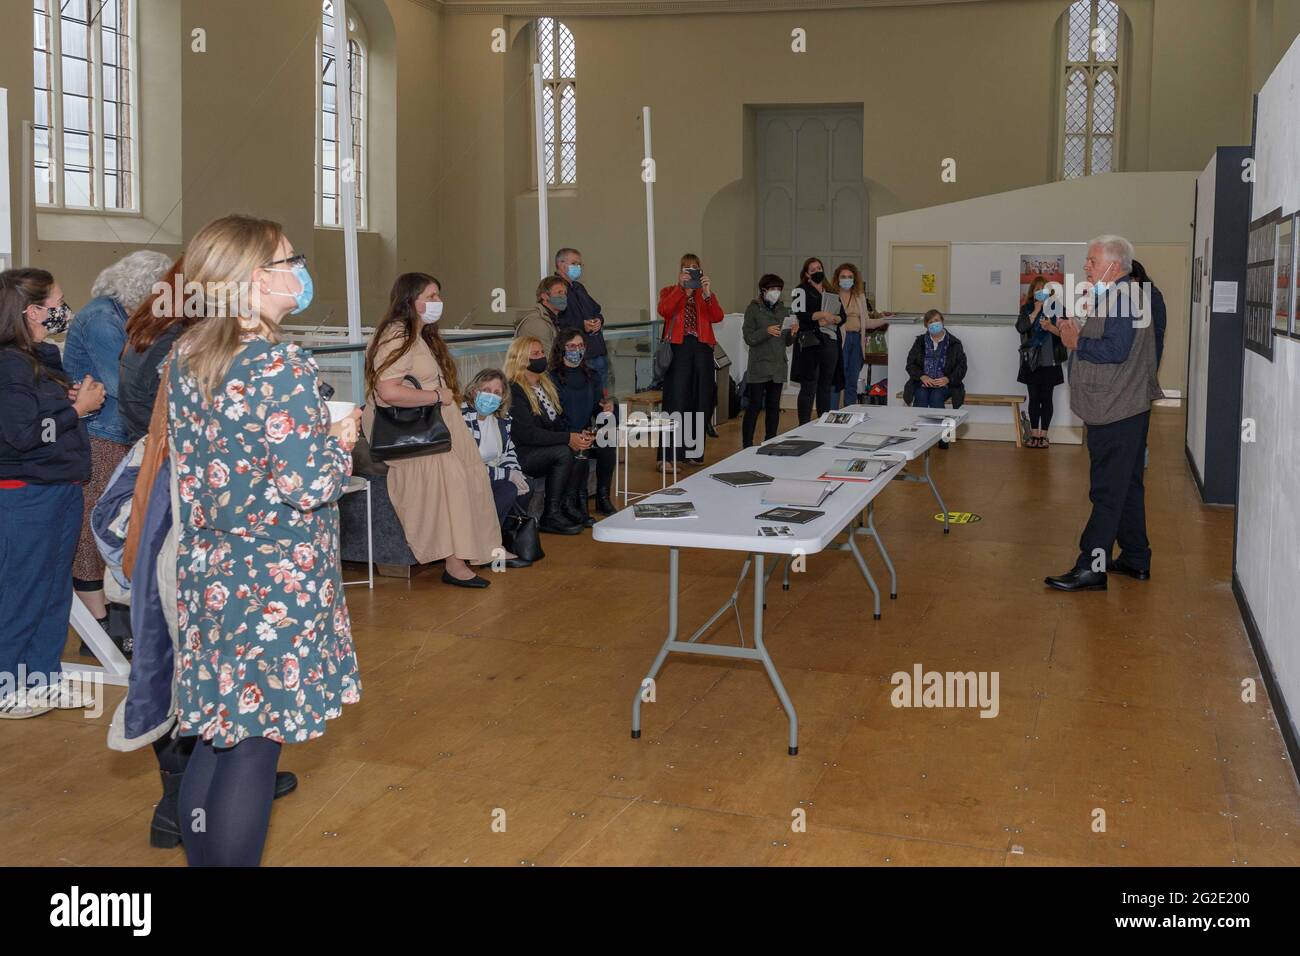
<point>443,501</point>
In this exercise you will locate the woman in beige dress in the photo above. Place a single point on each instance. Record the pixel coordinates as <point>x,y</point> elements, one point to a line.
<point>443,501</point>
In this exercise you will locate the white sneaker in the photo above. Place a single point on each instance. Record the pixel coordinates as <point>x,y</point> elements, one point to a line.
<point>65,695</point>
<point>16,707</point>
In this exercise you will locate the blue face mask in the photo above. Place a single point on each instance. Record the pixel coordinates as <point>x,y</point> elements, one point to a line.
<point>574,272</point>
<point>1041,295</point>
<point>846,284</point>
<point>303,299</point>
<point>935,328</point>
<point>573,357</point>
<point>485,403</point>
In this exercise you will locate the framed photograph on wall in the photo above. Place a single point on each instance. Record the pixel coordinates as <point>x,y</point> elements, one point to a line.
<point>1261,284</point>
<point>1284,269</point>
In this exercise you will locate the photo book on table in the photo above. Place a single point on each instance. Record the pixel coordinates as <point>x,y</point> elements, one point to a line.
<point>804,492</point>
<point>867,441</point>
<point>742,479</point>
<point>856,469</point>
<point>843,419</point>
<point>672,509</point>
<point>797,515</point>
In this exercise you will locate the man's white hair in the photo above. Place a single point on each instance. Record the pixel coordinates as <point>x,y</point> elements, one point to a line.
<point>131,280</point>
<point>1117,249</point>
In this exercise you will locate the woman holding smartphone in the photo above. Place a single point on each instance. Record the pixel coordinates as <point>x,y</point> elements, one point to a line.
<point>689,310</point>
<point>1038,331</point>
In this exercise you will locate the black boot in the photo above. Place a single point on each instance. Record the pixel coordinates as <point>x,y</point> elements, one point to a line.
<point>574,508</point>
<point>603,503</point>
<point>554,520</point>
<point>165,831</point>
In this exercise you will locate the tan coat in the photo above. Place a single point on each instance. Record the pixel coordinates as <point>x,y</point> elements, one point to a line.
<point>538,324</point>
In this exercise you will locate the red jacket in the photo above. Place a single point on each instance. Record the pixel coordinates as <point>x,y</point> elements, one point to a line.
<point>672,305</point>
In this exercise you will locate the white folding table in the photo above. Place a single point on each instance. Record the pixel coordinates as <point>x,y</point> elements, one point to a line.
<point>725,520</point>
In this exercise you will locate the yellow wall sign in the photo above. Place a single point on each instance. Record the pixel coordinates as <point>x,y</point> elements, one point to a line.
<point>927,283</point>
<point>959,517</point>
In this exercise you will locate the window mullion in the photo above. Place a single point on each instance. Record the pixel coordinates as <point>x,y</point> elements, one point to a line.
<point>95,53</point>
<point>56,106</point>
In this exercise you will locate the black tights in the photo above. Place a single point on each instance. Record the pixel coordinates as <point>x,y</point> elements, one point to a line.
<point>1040,406</point>
<point>765,396</point>
<point>225,802</point>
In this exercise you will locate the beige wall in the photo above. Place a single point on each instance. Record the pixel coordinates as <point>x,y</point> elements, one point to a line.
<point>451,183</point>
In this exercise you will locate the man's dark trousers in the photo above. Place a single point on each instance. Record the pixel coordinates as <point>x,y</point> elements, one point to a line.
<point>1117,494</point>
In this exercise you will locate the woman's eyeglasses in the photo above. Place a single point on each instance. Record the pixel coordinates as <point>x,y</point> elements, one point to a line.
<point>298,259</point>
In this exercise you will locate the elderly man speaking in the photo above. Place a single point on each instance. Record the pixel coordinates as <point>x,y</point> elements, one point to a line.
<point>1112,386</point>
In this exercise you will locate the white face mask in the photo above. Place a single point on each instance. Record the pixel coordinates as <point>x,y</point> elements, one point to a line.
<point>772,296</point>
<point>432,313</point>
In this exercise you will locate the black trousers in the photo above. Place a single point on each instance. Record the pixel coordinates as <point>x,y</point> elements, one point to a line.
<point>821,386</point>
<point>767,396</point>
<point>688,389</point>
<point>554,463</point>
<point>1115,452</point>
<point>1040,405</point>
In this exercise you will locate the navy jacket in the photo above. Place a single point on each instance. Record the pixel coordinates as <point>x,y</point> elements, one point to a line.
<point>138,383</point>
<point>580,396</point>
<point>582,307</point>
<point>42,440</point>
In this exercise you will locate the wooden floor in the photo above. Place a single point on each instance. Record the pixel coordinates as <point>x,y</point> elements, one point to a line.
<point>516,699</point>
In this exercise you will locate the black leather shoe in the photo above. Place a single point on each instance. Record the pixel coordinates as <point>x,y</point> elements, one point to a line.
<point>474,582</point>
<point>710,431</point>
<point>603,503</point>
<point>1078,579</point>
<point>285,783</point>
<point>943,444</point>
<point>518,563</point>
<point>1123,567</point>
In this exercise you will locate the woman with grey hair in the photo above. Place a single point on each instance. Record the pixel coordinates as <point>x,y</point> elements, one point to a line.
<point>94,347</point>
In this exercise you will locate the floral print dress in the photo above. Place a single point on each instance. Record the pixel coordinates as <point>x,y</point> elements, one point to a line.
<point>265,640</point>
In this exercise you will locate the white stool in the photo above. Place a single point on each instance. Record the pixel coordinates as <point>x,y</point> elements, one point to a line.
<point>622,450</point>
<point>357,483</point>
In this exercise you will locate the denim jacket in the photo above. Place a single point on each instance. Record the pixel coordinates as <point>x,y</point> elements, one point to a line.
<point>94,347</point>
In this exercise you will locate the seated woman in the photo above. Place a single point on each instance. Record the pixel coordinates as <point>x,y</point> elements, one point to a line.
<point>580,395</point>
<point>485,407</point>
<point>443,501</point>
<point>765,334</point>
<point>542,437</point>
<point>936,366</point>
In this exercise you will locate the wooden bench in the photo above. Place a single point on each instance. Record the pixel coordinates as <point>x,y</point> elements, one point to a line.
<point>1012,401</point>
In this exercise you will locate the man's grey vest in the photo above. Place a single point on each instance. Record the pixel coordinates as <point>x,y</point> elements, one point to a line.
<point>1101,394</point>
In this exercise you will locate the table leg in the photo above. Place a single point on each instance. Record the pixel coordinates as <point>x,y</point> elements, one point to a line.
<point>935,489</point>
<point>787,705</point>
<point>866,572</point>
<point>674,557</point>
<point>871,531</point>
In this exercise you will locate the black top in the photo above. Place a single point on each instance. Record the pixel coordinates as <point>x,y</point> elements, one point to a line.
<point>42,440</point>
<point>580,396</point>
<point>531,430</point>
<point>138,383</point>
<point>954,368</point>
<point>580,308</point>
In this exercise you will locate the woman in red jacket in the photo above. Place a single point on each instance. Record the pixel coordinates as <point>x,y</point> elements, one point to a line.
<point>689,310</point>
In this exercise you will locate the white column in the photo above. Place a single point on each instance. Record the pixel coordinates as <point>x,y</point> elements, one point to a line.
<point>347,192</point>
<point>648,175</point>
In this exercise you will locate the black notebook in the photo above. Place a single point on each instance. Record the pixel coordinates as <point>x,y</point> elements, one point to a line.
<point>789,447</point>
<point>797,515</point>
<point>743,479</point>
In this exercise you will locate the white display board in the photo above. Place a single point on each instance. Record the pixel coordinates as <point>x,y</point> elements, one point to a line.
<point>985,276</point>
<point>6,220</point>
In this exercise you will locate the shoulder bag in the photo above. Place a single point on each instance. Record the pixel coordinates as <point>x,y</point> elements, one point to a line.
<point>408,432</point>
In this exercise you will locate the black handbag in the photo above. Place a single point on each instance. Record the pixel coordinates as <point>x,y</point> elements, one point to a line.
<point>408,432</point>
<point>810,339</point>
<point>519,536</point>
<point>1031,356</point>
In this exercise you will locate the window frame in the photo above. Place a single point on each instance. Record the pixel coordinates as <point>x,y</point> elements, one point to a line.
<point>557,85</point>
<point>356,34</point>
<point>1092,70</point>
<point>54,170</point>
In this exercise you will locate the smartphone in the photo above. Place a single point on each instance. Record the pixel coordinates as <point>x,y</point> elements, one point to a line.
<point>694,281</point>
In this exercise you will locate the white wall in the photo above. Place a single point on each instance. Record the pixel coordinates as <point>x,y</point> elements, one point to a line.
<point>1143,207</point>
<point>1268,520</point>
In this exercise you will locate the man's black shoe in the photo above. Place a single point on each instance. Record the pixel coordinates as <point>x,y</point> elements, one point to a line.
<point>1078,579</point>
<point>1123,567</point>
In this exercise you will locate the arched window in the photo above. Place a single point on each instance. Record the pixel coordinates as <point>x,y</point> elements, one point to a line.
<point>558,55</point>
<point>334,171</point>
<point>1090,88</point>
<point>85,151</point>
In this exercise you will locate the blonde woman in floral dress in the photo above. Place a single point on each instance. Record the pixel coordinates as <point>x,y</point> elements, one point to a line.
<point>265,655</point>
